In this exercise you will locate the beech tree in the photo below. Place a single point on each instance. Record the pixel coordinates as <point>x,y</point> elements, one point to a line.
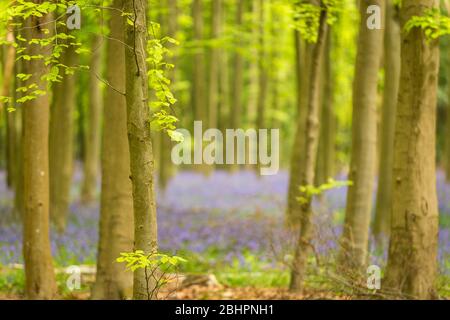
<point>11,131</point>
<point>139,139</point>
<point>303,51</point>
<point>116,202</point>
<point>92,138</point>
<point>391,83</point>
<point>61,142</point>
<point>39,274</point>
<point>355,237</point>
<point>307,172</point>
<point>214,67</point>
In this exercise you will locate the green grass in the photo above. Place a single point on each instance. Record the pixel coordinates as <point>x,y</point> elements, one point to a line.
<point>268,279</point>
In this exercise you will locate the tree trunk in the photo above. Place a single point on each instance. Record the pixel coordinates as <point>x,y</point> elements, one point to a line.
<point>302,70</point>
<point>447,124</point>
<point>39,273</point>
<point>92,141</point>
<point>326,154</point>
<point>214,66</point>
<point>263,77</point>
<point>139,139</point>
<point>18,188</point>
<point>116,206</point>
<point>447,139</point>
<point>224,93</point>
<point>8,78</point>
<point>199,84</point>
<point>307,172</point>
<point>363,158</point>
<point>61,143</point>
<point>224,105</point>
<point>165,163</point>
<point>253,66</point>
<point>412,261</point>
<point>238,81</point>
<point>391,83</point>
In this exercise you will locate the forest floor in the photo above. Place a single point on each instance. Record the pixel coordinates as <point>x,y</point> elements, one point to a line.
<point>243,293</point>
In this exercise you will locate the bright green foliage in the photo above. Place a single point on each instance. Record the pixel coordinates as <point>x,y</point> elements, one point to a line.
<point>334,8</point>
<point>306,17</point>
<point>157,267</point>
<point>159,82</point>
<point>139,260</point>
<point>14,16</point>
<point>433,24</point>
<point>310,191</point>
<point>397,3</point>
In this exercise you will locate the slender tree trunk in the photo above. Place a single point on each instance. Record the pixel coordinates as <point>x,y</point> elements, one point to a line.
<point>447,139</point>
<point>412,261</point>
<point>199,85</point>
<point>391,83</point>
<point>363,158</point>
<point>224,83</point>
<point>139,139</point>
<point>11,142</point>
<point>274,70</point>
<point>447,124</point>
<point>238,81</point>
<point>61,143</point>
<point>116,206</point>
<point>293,210</point>
<point>165,163</point>
<point>263,77</point>
<point>198,94</point>
<point>326,154</point>
<point>214,67</point>
<point>92,141</point>
<point>253,67</point>
<point>3,141</point>
<point>39,273</point>
<point>8,78</point>
<point>18,188</point>
<point>225,92</point>
<point>302,249</point>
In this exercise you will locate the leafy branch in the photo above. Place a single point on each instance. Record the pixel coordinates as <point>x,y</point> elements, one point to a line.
<point>432,23</point>
<point>309,191</point>
<point>156,267</point>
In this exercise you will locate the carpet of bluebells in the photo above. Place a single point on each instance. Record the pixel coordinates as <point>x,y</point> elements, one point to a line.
<point>221,219</point>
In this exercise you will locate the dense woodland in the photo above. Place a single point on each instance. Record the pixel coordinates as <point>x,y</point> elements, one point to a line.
<point>101,98</point>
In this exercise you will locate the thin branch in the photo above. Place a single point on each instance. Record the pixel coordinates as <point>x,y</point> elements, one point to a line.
<point>108,84</point>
